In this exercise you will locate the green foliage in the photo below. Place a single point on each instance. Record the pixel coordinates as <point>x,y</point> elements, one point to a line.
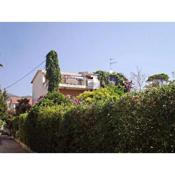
<point>3,105</point>
<point>40,130</point>
<point>158,79</point>
<point>119,76</point>
<point>102,95</point>
<point>162,77</point>
<point>148,121</point>
<point>103,77</point>
<point>23,106</point>
<point>1,123</point>
<point>53,74</point>
<point>18,128</point>
<point>139,122</point>
<point>114,78</point>
<point>52,99</point>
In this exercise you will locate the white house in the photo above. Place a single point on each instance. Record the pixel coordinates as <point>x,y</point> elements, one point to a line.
<point>72,84</point>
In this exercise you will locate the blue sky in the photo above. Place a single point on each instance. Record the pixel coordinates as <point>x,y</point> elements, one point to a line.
<point>84,47</point>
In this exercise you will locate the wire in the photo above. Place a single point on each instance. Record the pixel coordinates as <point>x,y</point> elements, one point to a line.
<point>20,79</point>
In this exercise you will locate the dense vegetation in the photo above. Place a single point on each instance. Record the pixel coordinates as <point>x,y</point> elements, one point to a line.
<point>133,122</point>
<point>157,79</point>
<point>53,74</point>
<point>23,106</point>
<point>3,105</point>
<point>109,119</point>
<point>102,95</point>
<point>114,78</point>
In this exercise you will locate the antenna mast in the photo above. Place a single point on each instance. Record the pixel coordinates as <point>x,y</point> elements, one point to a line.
<point>111,62</point>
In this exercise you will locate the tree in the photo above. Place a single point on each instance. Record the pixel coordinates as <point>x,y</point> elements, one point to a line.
<point>103,77</point>
<point>158,79</point>
<point>3,104</point>
<point>114,78</point>
<point>53,74</point>
<point>117,78</point>
<point>23,106</point>
<point>107,78</point>
<point>138,79</point>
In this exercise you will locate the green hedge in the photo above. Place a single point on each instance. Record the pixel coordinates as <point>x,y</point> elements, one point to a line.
<point>142,122</point>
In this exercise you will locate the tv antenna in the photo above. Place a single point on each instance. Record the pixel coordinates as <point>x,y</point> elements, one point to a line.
<point>112,61</point>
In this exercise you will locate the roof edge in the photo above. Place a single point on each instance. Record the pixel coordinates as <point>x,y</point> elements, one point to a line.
<point>38,71</point>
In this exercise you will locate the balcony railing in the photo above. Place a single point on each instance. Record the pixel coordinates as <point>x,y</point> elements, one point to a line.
<point>74,80</point>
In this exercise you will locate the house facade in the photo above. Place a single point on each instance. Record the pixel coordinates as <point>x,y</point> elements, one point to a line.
<point>72,84</point>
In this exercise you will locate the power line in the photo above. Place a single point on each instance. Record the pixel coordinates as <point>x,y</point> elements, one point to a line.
<point>20,79</point>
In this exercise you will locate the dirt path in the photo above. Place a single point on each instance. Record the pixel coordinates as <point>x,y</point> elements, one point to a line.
<point>8,145</point>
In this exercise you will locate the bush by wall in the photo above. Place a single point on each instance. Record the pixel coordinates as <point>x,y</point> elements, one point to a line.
<point>102,95</point>
<point>53,98</point>
<point>142,122</point>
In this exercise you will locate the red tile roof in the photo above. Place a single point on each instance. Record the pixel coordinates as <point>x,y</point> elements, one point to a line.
<point>14,100</point>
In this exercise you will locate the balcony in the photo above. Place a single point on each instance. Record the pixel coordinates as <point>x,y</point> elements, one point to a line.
<point>74,81</point>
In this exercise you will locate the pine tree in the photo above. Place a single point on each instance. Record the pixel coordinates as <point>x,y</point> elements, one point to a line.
<point>53,74</point>
<point>158,79</point>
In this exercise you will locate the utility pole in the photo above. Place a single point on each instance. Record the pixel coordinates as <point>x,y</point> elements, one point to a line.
<point>111,62</point>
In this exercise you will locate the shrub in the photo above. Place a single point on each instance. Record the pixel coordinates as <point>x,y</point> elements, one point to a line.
<point>18,128</point>
<point>136,122</point>
<point>53,98</point>
<point>1,123</point>
<point>42,128</point>
<point>147,121</point>
<point>110,93</point>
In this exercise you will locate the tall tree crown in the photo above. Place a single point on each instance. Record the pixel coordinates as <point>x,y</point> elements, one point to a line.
<point>3,104</point>
<point>158,79</point>
<point>107,78</point>
<point>53,74</point>
<point>161,77</point>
